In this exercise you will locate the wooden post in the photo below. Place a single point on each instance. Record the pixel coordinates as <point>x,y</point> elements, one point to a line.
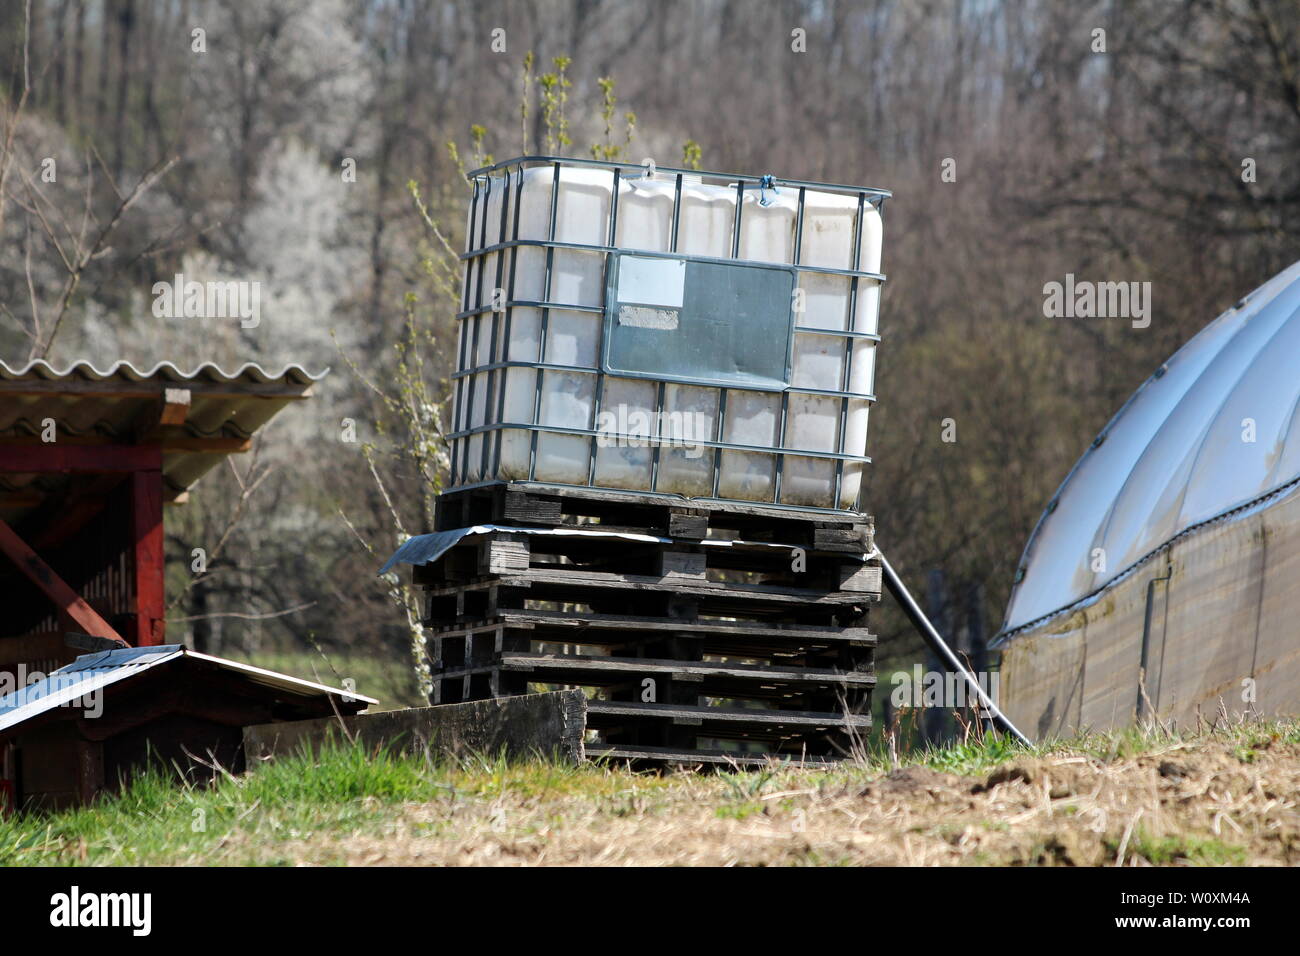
<point>90,769</point>
<point>147,542</point>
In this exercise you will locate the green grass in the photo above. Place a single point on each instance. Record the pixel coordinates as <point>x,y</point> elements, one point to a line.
<point>269,814</point>
<point>1187,849</point>
<point>342,790</point>
<point>157,820</point>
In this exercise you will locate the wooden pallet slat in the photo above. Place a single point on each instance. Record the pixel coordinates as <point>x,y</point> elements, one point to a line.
<point>717,632</point>
<point>542,505</point>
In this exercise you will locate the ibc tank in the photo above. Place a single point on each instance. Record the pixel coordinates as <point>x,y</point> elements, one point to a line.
<point>667,331</point>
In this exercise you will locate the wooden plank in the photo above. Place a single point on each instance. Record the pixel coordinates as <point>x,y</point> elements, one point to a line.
<point>683,564</point>
<point>171,407</point>
<point>854,540</point>
<point>864,578</point>
<point>518,506</point>
<point>776,632</point>
<point>175,406</point>
<point>843,650</point>
<point>691,526</point>
<point>43,576</point>
<point>714,508</point>
<point>774,594</point>
<point>517,555</point>
<point>723,716</point>
<point>670,755</point>
<point>505,556</point>
<point>552,505</point>
<point>850,635</point>
<point>539,663</point>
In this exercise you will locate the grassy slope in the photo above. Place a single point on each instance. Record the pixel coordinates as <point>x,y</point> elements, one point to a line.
<point>1223,796</point>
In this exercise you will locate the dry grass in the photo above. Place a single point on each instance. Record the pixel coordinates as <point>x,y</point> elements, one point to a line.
<point>1226,796</point>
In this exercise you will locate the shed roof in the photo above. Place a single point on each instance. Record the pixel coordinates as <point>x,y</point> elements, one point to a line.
<point>1214,430</point>
<point>119,405</point>
<point>92,672</point>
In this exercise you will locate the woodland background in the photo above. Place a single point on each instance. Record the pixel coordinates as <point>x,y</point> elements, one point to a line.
<point>1122,165</point>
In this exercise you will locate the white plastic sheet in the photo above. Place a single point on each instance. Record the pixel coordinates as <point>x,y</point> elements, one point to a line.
<point>1214,429</point>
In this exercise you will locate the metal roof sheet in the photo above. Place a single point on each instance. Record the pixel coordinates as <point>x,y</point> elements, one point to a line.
<point>93,672</point>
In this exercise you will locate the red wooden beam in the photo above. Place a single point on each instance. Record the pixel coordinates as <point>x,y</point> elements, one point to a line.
<point>147,538</point>
<point>80,458</point>
<point>43,576</point>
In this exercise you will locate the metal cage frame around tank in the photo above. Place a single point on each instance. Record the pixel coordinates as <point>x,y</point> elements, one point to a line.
<point>473,306</point>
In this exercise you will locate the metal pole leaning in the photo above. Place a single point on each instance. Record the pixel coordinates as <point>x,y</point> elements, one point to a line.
<point>932,638</point>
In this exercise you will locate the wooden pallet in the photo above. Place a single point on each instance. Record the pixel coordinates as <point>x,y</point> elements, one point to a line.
<point>531,503</point>
<point>693,650</point>
<point>640,755</point>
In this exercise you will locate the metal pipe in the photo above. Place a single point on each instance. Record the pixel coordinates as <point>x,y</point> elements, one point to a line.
<point>936,642</point>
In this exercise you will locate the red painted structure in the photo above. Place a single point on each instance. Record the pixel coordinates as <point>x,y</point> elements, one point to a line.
<point>87,460</point>
<point>138,470</point>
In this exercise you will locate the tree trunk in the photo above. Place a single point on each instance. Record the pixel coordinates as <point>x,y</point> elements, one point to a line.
<point>126,21</point>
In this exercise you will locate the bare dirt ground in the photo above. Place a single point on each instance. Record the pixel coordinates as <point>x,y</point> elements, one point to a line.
<point>1213,800</point>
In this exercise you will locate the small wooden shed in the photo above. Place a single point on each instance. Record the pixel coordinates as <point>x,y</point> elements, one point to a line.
<point>89,727</point>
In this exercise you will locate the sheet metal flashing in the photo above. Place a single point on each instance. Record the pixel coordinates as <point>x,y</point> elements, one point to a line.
<point>93,672</point>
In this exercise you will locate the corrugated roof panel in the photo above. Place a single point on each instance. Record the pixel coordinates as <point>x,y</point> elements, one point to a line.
<point>108,405</point>
<point>249,372</point>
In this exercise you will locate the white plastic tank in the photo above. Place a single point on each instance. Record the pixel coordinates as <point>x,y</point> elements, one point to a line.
<point>538,395</point>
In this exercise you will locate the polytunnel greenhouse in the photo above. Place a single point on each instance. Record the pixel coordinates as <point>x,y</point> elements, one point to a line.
<point>1164,576</point>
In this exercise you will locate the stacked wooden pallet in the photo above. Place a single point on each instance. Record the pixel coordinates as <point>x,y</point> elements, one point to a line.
<point>701,633</point>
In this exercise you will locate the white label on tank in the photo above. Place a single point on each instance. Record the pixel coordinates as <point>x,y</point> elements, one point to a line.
<point>645,317</point>
<point>648,281</point>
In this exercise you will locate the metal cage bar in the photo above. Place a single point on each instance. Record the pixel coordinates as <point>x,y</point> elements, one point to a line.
<point>505,335</point>
<point>875,193</point>
<point>545,320</point>
<point>593,451</point>
<point>490,373</point>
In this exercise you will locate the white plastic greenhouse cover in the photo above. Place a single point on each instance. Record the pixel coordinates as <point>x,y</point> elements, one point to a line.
<point>1176,454</point>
